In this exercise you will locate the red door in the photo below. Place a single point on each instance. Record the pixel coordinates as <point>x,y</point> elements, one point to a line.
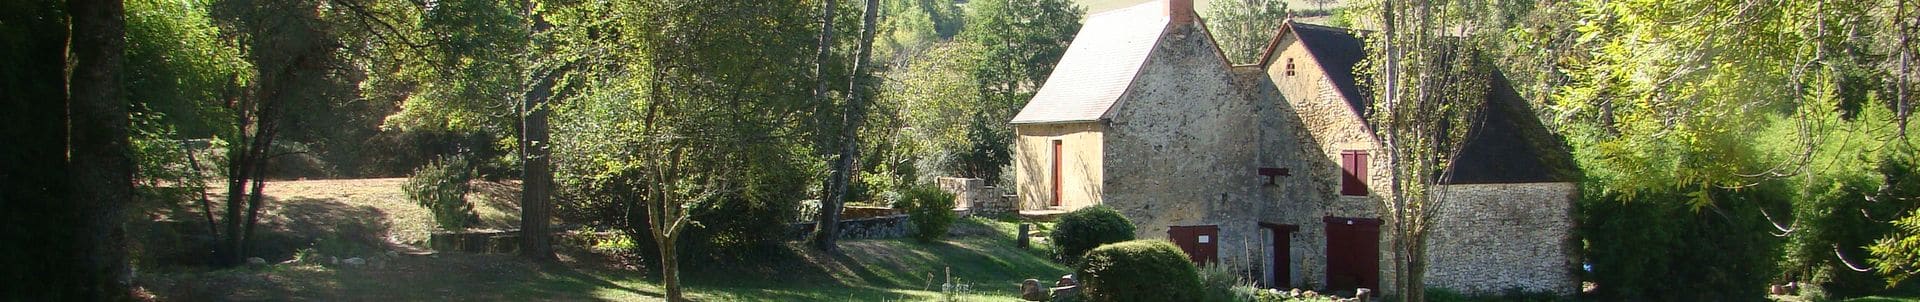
<point>1200,242</point>
<point>1353,253</point>
<point>1056,173</point>
<point>1282,253</point>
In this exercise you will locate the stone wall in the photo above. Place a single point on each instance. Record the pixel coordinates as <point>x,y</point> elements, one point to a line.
<point>865,228</point>
<point>1179,149</point>
<point>1492,237</point>
<point>973,196</point>
<point>1304,129</point>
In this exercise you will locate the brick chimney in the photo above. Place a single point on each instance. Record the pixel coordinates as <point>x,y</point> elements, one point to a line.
<point>1180,11</point>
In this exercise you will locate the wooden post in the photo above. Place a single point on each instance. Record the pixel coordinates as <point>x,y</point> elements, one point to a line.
<point>1021,238</point>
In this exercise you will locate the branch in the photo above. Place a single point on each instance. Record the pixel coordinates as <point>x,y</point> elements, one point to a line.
<point>1849,263</point>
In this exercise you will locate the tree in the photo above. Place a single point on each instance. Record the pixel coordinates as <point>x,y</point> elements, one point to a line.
<point>703,106</point>
<point>1662,102</point>
<point>1431,88</point>
<point>536,205</point>
<point>1020,41</point>
<point>101,171</point>
<point>1243,27</point>
<point>828,225</point>
<point>934,94</point>
<point>42,242</point>
<point>294,50</point>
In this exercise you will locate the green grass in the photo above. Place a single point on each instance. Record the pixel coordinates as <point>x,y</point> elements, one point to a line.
<point>981,255</point>
<point>1884,299</point>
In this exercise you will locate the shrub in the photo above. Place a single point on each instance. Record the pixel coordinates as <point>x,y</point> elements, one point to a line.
<point>1139,270</point>
<point>1090,227</point>
<point>930,210</point>
<point>1656,245</point>
<point>441,186</point>
<point>1220,284</point>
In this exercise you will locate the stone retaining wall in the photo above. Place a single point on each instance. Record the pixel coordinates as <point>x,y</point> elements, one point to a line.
<point>894,226</point>
<point>972,195</point>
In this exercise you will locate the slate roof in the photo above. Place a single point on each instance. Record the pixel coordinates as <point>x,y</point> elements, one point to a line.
<point>1511,145</point>
<point>1098,68</point>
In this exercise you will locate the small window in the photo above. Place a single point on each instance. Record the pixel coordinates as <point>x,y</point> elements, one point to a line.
<point>1289,67</point>
<point>1353,172</point>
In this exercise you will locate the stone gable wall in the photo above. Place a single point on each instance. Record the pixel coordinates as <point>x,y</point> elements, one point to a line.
<point>1304,129</point>
<point>1492,237</point>
<point>1179,150</point>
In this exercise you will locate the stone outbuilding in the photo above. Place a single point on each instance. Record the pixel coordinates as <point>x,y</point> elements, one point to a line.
<point>1264,167</point>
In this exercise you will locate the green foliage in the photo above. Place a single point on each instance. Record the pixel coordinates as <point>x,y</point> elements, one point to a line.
<point>704,111</point>
<point>1139,270</point>
<point>179,69</point>
<point>908,26</point>
<point>938,98</point>
<point>1640,246</point>
<point>1898,254</point>
<point>441,186</point>
<point>1220,284</point>
<point>1084,229</point>
<point>1830,219</point>
<point>1243,28</point>
<point>930,210</point>
<point>1019,43</point>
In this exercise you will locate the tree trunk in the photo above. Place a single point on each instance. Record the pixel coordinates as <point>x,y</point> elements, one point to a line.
<point>849,133</point>
<point>536,186</point>
<point>259,184</point>
<point>536,178</point>
<point>827,224</point>
<point>38,233</point>
<point>102,171</point>
<point>670,268</point>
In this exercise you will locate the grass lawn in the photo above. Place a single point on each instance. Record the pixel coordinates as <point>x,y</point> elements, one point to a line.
<point>868,270</point>
<point>979,254</point>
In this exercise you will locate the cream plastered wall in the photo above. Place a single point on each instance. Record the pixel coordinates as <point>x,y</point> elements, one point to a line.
<point>1081,144</point>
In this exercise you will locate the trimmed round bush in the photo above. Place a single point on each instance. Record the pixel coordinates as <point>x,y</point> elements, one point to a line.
<point>1090,227</point>
<point>1139,270</point>
<point>930,211</point>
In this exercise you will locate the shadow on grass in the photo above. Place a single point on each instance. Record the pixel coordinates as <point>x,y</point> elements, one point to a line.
<point>575,274</point>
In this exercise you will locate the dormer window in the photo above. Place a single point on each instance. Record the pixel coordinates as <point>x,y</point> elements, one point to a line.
<point>1289,67</point>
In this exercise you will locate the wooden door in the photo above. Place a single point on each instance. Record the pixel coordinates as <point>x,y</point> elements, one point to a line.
<point>1056,173</point>
<point>1282,254</point>
<point>1201,242</point>
<point>1353,253</point>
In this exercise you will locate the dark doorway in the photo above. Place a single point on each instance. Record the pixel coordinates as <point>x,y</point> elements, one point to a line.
<point>1200,242</point>
<point>1282,254</point>
<point>1353,253</point>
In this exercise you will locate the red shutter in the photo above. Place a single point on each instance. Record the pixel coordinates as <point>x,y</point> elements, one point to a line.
<point>1353,172</point>
<point>1360,172</point>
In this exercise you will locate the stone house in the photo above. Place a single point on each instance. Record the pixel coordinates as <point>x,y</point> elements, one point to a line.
<point>1264,167</point>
